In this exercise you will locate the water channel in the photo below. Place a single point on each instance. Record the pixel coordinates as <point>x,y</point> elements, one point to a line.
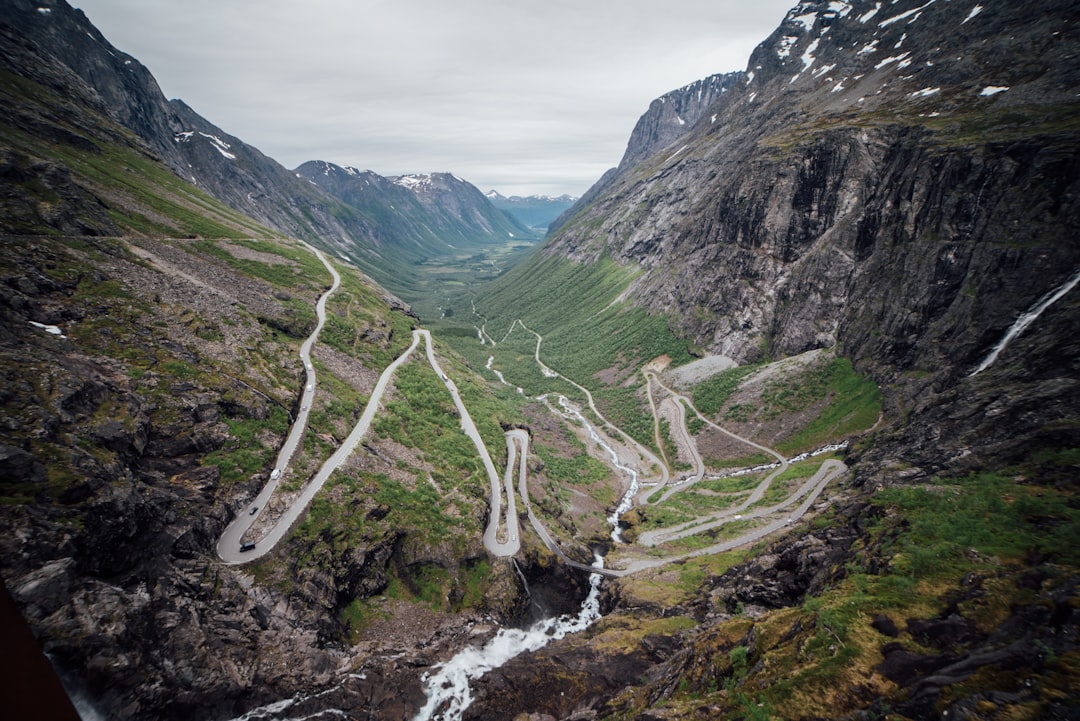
<point>447,687</point>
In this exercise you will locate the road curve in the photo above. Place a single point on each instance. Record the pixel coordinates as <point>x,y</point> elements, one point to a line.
<point>228,547</point>
<point>512,544</point>
<point>829,470</point>
<point>229,544</point>
<point>681,404</point>
<point>517,443</point>
<point>644,452</point>
<point>660,535</point>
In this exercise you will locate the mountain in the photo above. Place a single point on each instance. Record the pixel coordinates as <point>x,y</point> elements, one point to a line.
<point>421,215</point>
<point>82,63</point>
<point>862,245</point>
<point>535,211</point>
<point>859,141</point>
<point>376,233</point>
<point>894,183</point>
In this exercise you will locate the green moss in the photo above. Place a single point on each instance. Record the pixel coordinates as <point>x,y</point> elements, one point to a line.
<point>712,394</point>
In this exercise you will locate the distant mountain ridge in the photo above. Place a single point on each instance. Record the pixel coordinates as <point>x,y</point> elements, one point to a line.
<point>416,216</point>
<point>535,211</point>
<point>376,233</point>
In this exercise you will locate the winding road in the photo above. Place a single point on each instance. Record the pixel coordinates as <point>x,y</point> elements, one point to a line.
<point>808,491</point>
<point>228,547</point>
<point>502,534</point>
<point>230,544</point>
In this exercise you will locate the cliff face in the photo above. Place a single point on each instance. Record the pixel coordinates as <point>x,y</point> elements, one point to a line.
<point>899,181</point>
<point>671,115</point>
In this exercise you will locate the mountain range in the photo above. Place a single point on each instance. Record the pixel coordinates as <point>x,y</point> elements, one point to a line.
<point>863,244</point>
<point>367,228</point>
<point>535,211</point>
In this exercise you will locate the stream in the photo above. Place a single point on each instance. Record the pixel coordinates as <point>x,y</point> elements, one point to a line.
<point>447,687</point>
<point>1027,318</point>
<point>627,501</point>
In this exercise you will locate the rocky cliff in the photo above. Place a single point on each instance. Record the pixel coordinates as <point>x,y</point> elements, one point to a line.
<point>898,180</point>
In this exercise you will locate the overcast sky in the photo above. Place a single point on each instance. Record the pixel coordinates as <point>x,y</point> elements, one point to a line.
<point>523,97</point>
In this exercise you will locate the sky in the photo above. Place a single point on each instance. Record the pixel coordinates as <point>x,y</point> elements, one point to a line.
<point>524,97</point>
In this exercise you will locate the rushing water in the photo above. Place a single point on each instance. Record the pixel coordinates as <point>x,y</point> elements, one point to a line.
<point>627,501</point>
<point>499,375</point>
<point>448,692</point>
<point>447,688</point>
<point>1026,319</point>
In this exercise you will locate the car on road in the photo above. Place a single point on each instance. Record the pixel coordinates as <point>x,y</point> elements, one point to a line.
<point>275,474</point>
<point>247,546</point>
<point>252,511</point>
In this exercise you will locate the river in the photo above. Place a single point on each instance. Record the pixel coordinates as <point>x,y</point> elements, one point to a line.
<point>447,687</point>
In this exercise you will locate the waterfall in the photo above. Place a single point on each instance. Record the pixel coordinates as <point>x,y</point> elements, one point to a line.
<point>448,692</point>
<point>627,501</point>
<point>1026,319</point>
<point>447,687</point>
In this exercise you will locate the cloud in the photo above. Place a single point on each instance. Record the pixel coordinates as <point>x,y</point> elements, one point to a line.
<point>520,96</point>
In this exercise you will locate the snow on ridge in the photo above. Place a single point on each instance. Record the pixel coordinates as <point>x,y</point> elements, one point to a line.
<point>807,20</point>
<point>925,92</point>
<point>413,181</point>
<point>840,8</point>
<point>992,90</point>
<point>974,11</point>
<point>183,136</point>
<point>901,58</point>
<point>786,44</point>
<point>808,56</point>
<point>44,11</point>
<point>869,15</point>
<point>220,145</point>
<point>905,15</point>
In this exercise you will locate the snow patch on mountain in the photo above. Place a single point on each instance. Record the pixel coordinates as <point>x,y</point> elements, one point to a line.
<point>219,145</point>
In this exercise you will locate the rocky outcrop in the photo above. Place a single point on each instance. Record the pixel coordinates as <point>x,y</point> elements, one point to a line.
<point>672,115</point>
<point>886,181</point>
<point>118,476</point>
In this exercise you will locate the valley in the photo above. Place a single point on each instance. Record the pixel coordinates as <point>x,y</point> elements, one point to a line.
<point>779,420</point>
